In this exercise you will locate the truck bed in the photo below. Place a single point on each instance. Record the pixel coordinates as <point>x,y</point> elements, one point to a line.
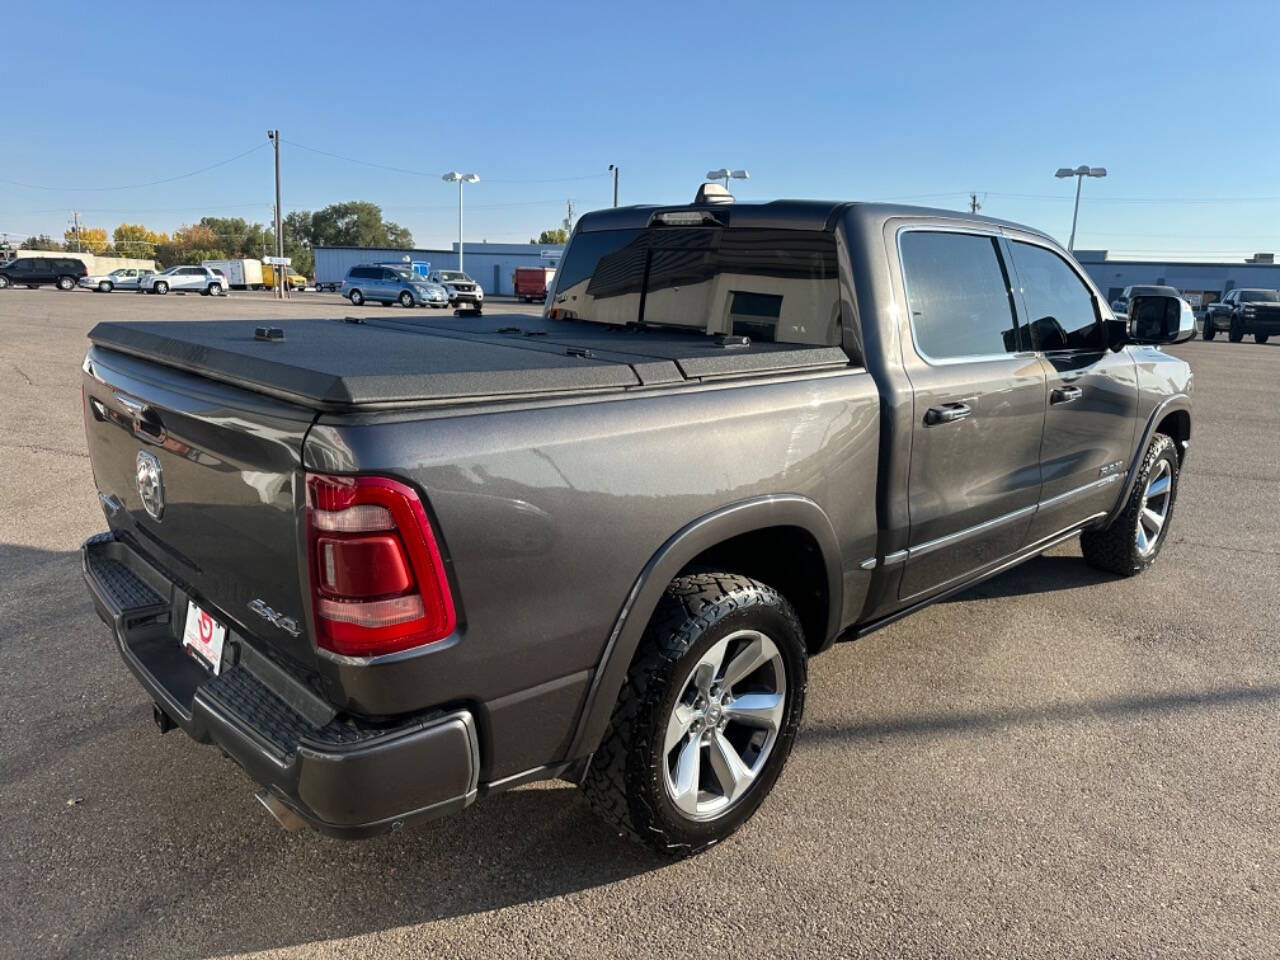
<point>337,365</point>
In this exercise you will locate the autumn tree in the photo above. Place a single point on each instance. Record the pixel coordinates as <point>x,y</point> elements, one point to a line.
<point>558,235</point>
<point>87,239</point>
<point>135,240</point>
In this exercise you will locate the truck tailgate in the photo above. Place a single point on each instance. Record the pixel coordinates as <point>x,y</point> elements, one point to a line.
<point>227,526</point>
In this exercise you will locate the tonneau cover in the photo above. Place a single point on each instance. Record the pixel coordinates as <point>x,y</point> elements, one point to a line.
<point>335,364</point>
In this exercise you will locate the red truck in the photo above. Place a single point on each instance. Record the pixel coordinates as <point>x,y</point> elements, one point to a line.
<point>532,283</point>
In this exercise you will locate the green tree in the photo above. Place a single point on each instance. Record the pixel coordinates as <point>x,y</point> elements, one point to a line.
<point>558,235</point>
<point>42,242</point>
<point>236,237</point>
<point>356,224</point>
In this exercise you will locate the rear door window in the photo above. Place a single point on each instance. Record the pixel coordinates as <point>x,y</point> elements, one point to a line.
<point>1061,311</point>
<point>958,295</point>
<point>770,285</point>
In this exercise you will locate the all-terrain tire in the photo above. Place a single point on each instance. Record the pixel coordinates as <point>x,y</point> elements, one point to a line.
<point>1115,548</point>
<point>625,781</point>
<point>1209,330</point>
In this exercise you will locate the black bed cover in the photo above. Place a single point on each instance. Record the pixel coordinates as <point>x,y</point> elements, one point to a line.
<point>336,364</point>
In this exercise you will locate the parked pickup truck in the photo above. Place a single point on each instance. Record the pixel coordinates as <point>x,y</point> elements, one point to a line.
<point>1243,312</point>
<point>392,564</point>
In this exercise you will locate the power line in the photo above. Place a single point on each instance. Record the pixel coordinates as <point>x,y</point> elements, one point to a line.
<point>135,186</point>
<point>421,173</point>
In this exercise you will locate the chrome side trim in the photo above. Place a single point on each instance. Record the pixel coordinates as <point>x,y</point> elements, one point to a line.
<point>893,559</point>
<point>868,564</point>
<point>931,545</point>
<point>1081,491</point>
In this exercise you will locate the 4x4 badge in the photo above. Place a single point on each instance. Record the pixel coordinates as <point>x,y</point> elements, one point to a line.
<point>287,624</point>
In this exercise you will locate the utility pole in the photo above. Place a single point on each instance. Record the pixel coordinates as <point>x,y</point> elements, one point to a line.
<point>75,228</point>
<point>974,205</point>
<point>614,168</point>
<point>568,221</point>
<point>274,137</point>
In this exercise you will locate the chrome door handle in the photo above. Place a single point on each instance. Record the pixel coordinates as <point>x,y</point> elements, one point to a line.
<point>947,413</point>
<point>1065,394</point>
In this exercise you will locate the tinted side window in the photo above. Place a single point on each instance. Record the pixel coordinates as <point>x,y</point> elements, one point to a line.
<point>1060,308</point>
<point>958,295</point>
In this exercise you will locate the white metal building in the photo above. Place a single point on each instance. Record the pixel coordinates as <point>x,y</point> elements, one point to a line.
<point>1200,283</point>
<point>492,265</point>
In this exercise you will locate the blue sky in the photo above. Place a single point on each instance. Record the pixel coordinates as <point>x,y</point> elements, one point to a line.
<point>917,102</point>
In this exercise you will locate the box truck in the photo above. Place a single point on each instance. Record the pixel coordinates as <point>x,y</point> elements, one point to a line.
<point>242,274</point>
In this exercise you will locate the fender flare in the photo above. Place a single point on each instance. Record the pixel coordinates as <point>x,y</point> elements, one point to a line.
<point>744,517</point>
<point>1174,404</point>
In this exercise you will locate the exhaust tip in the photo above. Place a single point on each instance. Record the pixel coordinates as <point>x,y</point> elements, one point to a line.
<point>281,812</point>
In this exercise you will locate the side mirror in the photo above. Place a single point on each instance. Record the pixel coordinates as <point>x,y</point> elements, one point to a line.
<point>1159,319</point>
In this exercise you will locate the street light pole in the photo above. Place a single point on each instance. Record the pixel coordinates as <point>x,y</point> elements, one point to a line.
<point>461,178</point>
<point>1079,173</point>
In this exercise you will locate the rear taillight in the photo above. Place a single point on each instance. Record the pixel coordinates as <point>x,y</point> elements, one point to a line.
<point>377,577</point>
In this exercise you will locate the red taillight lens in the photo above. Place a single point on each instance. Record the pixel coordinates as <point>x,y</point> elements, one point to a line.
<point>376,573</point>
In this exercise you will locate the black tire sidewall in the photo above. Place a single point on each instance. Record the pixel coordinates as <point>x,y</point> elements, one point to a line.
<point>1162,449</point>
<point>651,806</point>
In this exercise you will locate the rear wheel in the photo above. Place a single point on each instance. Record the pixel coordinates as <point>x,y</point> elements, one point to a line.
<point>215,289</point>
<point>1133,540</point>
<point>66,283</point>
<point>707,716</point>
<point>406,298</point>
<point>4,281</point>
<point>356,298</point>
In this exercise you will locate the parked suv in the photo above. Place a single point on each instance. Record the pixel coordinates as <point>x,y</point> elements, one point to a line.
<point>126,278</point>
<point>63,272</point>
<point>383,284</point>
<point>1243,312</point>
<point>463,291</point>
<point>210,283</point>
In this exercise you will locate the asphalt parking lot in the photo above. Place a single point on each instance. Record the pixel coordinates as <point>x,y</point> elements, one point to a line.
<point>1055,763</point>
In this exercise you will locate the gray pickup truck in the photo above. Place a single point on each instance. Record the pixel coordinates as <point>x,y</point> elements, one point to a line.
<point>391,565</point>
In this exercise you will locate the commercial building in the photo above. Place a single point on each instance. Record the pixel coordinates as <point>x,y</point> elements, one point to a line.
<point>492,265</point>
<point>1200,283</point>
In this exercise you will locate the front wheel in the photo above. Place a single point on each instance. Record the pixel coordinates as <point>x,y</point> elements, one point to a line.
<point>1208,332</point>
<point>105,286</point>
<point>4,281</point>
<point>406,299</point>
<point>66,283</point>
<point>1133,540</point>
<point>161,288</point>
<point>356,298</point>
<point>707,717</point>
<point>1234,333</point>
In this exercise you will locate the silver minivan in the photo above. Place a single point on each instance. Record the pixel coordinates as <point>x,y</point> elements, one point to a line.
<point>382,284</point>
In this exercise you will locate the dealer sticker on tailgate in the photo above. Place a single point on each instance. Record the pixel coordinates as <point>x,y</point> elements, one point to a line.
<point>203,636</point>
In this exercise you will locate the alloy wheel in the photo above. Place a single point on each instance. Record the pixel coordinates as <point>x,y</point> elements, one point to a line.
<point>1156,501</point>
<point>724,724</point>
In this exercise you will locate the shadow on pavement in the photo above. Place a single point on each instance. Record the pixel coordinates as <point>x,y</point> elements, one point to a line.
<point>1042,574</point>
<point>985,720</point>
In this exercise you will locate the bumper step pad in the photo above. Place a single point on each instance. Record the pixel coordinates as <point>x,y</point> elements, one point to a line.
<point>122,585</point>
<point>239,693</point>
